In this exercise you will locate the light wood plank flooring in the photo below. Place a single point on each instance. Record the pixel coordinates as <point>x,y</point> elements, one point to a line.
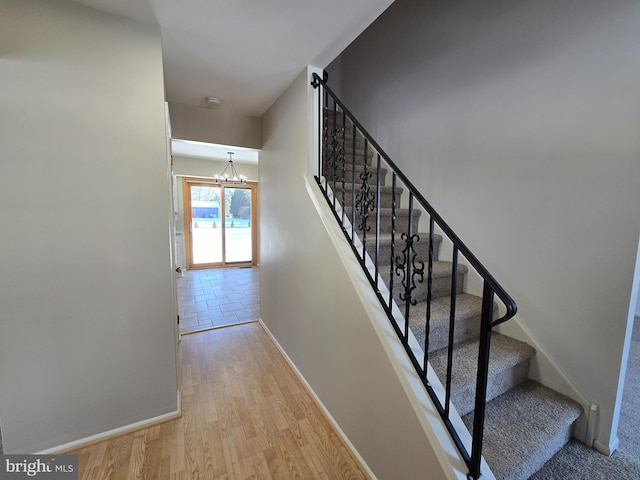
<point>246,415</point>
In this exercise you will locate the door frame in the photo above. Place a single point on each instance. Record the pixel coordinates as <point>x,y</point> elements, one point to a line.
<point>187,182</point>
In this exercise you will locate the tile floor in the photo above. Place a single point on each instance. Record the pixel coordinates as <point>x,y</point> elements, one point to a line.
<point>218,296</point>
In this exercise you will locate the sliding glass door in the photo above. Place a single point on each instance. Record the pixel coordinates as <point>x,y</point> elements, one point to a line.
<point>220,225</point>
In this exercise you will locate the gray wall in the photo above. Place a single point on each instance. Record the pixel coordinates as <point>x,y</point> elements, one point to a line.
<point>214,125</point>
<point>519,121</point>
<point>87,324</point>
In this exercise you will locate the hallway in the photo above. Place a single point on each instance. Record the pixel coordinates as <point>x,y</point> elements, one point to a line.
<point>245,415</point>
<point>214,297</point>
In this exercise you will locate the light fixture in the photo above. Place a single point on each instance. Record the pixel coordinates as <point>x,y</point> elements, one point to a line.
<point>231,178</point>
<point>213,102</point>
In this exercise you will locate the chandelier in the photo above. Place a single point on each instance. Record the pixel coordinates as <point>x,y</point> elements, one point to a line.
<point>232,177</point>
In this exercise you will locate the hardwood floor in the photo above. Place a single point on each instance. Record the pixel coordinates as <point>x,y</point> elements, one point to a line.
<point>246,415</point>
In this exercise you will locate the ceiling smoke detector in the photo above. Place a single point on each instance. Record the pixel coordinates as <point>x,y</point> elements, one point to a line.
<point>213,102</point>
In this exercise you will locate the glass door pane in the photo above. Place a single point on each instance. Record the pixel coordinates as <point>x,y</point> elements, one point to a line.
<point>206,224</point>
<point>238,228</point>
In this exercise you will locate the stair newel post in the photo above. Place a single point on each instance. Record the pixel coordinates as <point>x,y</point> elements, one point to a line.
<point>393,237</point>
<point>452,319</point>
<point>321,123</point>
<point>377,253</point>
<point>427,326</point>
<point>481,382</point>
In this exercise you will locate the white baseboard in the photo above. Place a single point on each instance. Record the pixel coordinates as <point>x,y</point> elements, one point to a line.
<point>100,437</point>
<point>606,449</point>
<point>324,409</point>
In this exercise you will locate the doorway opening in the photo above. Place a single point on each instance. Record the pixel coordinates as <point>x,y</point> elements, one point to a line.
<point>220,223</point>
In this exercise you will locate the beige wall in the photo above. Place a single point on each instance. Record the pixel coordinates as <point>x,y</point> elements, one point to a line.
<point>519,121</point>
<point>87,324</point>
<point>212,125</point>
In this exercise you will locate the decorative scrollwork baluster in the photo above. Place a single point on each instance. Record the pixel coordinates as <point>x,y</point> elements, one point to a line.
<point>337,151</point>
<point>410,272</point>
<point>343,157</point>
<point>365,202</point>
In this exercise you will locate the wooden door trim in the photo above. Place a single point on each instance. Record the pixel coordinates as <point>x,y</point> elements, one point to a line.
<point>186,207</point>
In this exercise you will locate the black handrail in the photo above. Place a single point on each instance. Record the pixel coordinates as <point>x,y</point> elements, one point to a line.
<point>332,169</point>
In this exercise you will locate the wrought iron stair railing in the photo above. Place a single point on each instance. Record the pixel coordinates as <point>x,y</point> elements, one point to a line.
<point>382,229</point>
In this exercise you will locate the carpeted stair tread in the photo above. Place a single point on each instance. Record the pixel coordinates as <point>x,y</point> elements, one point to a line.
<point>508,367</point>
<point>348,156</point>
<point>348,174</point>
<point>524,428</point>
<point>348,140</point>
<point>387,212</point>
<point>401,219</point>
<point>421,247</point>
<point>467,320</point>
<point>386,193</point>
<point>440,281</point>
<point>384,252</point>
<point>385,239</point>
<point>359,169</point>
<point>576,461</point>
<point>442,269</point>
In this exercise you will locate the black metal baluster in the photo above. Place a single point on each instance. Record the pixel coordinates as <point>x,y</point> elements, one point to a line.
<point>409,248</point>
<point>315,84</point>
<point>393,233</point>
<point>353,186</point>
<point>408,268</point>
<point>481,381</point>
<point>344,160</point>
<point>427,327</point>
<point>452,320</point>
<point>334,166</point>
<point>365,203</point>
<point>378,200</point>
<point>325,158</point>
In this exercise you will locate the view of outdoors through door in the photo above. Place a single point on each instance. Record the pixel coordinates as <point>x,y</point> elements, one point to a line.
<point>220,224</point>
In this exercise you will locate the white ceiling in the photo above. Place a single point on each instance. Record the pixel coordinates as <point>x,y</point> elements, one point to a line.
<point>245,51</point>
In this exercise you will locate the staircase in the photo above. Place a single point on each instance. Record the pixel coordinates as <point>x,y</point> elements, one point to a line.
<point>525,423</point>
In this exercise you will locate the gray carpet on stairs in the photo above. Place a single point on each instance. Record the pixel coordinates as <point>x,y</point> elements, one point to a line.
<point>533,421</point>
<point>577,462</point>
<point>629,427</point>
<point>508,366</point>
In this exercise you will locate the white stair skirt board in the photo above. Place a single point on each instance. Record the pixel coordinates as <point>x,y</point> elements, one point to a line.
<point>422,404</point>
